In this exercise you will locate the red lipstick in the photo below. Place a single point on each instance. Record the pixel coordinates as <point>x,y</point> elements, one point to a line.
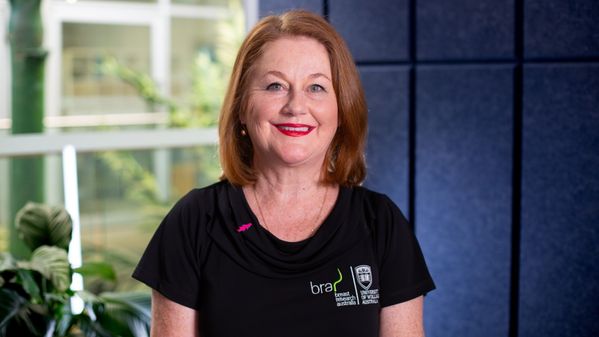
<point>294,130</point>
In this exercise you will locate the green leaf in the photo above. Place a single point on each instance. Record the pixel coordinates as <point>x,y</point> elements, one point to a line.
<point>8,266</point>
<point>39,224</point>
<point>29,284</point>
<point>32,224</point>
<point>137,302</point>
<point>92,328</point>
<point>126,314</point>
<point>11,304</point>
<point>102,270</point>
<point>60,227</point>
<point>7,262</point>
<point>53,264</point>
<point>17,312</point>
<point>66,320</point>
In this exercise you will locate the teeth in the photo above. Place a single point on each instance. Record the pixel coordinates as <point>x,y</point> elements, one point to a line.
<point>298,129</point>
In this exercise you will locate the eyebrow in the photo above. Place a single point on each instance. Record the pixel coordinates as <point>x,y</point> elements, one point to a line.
<point>280,74</point>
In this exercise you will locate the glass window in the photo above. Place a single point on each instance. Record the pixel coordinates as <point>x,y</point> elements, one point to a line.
<point>190,40</point>
<point>203,2</point>
<point>52,188</point>
<point>4,66</point>
<point>88,85</point>
<point>202,56</point>
<point>121,201</point>
<point>198,81</point>
<point>134,1</point>
<point>123,195</point>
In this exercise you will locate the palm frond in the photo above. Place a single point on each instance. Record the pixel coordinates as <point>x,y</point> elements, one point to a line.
<point>126,314</point>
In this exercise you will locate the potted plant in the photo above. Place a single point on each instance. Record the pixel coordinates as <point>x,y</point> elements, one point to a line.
<point>35,298</point>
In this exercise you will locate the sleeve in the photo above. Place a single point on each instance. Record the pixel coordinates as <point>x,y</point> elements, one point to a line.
<point>170,263</point>
<point>403,274</point>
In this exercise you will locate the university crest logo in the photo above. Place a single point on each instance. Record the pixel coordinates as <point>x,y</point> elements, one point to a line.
<point>364,276</point>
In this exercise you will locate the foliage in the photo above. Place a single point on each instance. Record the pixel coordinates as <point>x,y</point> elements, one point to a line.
<point>43,225</point>
<point>210,71</point>
<point>35,299</point>
<point>143,186</point>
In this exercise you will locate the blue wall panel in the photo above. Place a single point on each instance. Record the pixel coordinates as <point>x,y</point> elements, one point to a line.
<point>388,137</point>
<point>467,29</point>
<point>464,130</point>
<point>561,28</point>
<point>375,30</point>
<point>559,290</point>
<point>269,7</point>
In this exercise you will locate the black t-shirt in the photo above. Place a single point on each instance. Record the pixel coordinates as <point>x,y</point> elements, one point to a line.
<point>211,254</point>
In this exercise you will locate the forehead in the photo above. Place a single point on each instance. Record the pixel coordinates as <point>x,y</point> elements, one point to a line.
<point>295,53</point>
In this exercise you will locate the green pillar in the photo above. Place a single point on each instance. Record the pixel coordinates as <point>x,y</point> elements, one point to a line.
<point>25,33</point>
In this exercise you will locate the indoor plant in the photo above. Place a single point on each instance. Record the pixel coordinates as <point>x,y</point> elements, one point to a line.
<point>35,298</point>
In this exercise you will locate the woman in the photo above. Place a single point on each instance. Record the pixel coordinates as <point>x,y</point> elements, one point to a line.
<point>288,244</point>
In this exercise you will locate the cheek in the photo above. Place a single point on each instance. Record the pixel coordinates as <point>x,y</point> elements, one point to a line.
<point>260,109</point>
<point>252,113</point>
<point>332,113</point>
<point>257,119</point>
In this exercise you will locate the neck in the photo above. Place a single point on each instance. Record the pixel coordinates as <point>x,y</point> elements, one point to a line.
<point>290,202</point>
<point>288,181</point>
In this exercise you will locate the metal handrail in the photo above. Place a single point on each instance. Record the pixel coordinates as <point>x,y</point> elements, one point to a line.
<point>53,143</point>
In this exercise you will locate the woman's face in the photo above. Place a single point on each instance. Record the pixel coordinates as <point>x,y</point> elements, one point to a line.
<point>292,114</point>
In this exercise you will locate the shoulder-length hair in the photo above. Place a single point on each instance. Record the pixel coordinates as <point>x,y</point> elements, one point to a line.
<point>344,162</point>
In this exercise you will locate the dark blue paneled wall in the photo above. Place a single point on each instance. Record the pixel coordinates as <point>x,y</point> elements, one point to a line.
<point>463,202</point>
<point>484,128</point>
<point>467,29</point>
<point>556,29</point>
<point>375,30</point>
<point>276,6</point>
<point>387,91</point>
<point>560,201</point>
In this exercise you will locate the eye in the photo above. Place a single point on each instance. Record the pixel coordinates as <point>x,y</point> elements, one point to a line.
<point>274,87</point>
<point>316,88</point>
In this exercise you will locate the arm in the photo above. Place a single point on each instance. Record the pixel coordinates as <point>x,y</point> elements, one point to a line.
<point>170,319</point>
<point>403,319</point>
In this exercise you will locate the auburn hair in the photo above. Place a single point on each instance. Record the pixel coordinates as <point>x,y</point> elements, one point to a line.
<point>344,162</point>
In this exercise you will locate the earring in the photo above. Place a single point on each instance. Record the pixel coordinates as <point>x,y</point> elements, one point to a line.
<point>243,132</point>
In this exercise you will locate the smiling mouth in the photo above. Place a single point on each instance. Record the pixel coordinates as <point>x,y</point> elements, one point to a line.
<point>294,130</point>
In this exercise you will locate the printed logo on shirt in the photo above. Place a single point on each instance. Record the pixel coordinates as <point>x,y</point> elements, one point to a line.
<point>364,276</point>
<point>244,227</point>
<point>345,291</point>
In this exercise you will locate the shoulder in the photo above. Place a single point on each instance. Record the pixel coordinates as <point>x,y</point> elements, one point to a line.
<point>214,189</point>
<point>366,192</point>
<point>203,199</point>
<point>376,204</point>
<point>195,209</point>
<point>383,218</point>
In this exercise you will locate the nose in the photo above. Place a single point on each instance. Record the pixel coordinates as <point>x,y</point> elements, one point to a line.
<point>296,105</point>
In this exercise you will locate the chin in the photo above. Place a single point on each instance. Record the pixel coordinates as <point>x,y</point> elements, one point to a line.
<point>298,159</point>
<point>295,161</point>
